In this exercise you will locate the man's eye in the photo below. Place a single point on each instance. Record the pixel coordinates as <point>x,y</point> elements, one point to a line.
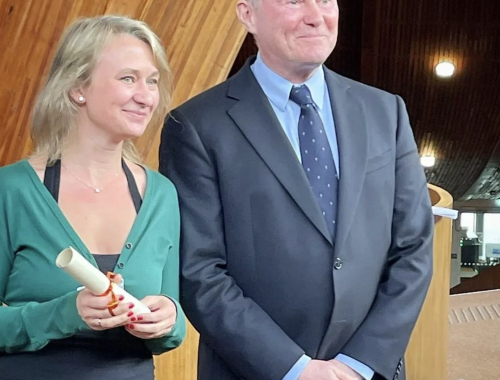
<point>128,80</point>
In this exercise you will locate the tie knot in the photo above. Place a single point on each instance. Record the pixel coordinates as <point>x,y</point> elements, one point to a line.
<point>301,95</point>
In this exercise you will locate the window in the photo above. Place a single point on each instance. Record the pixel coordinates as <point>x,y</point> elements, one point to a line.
<point>468,221</point>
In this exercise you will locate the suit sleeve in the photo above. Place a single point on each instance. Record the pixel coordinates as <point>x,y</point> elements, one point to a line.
<point>248,340</point>
<point>381,340</point>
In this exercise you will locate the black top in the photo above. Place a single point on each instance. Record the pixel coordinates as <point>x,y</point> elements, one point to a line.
<point>52,180</point>
<point>88,355</point>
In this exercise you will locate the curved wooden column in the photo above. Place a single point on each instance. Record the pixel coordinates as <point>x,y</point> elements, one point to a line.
<point>426,356</point>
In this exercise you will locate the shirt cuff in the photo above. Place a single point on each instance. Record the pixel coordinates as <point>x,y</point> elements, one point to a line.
<point>365,371</point>
<point>297,368</point>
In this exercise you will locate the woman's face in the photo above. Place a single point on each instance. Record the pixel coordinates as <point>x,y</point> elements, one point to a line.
<point>123,93</point>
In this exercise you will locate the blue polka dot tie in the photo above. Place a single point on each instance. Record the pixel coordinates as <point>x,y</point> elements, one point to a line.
<point>317,158</point>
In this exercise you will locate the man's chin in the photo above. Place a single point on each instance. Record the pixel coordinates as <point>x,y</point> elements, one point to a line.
<point>314,58</point>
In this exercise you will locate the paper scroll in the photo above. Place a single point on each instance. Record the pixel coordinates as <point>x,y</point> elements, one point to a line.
<point>73,263</point>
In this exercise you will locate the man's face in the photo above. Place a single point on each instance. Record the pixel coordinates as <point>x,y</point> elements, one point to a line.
<point>295,32</point>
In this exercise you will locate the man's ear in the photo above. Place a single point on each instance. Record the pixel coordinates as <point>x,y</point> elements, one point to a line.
<point>245,11</point>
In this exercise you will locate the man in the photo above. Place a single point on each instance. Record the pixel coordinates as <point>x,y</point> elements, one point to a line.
<point>306,222</point>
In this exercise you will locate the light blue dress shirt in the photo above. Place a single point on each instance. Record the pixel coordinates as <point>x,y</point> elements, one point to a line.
<point>277,90</point>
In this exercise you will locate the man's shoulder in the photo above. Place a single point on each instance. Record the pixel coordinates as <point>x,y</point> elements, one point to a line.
<point>213,98</point>
<point>359,88</point>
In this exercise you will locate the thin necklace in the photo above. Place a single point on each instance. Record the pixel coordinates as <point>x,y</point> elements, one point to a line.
<point>97,190</point>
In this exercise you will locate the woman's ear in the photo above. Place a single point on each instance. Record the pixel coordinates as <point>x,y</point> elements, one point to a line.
<point>77,97</point>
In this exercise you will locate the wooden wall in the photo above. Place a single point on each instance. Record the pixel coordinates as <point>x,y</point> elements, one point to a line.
<point>202,39</point>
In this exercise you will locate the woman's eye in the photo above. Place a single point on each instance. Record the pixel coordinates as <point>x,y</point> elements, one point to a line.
<point>153,82</point>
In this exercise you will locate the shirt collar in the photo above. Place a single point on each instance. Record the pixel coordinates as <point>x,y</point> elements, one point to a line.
<point>277,88</point>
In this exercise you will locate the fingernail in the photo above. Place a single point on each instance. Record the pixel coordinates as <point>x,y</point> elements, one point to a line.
<point>130,313</point>
<point>133,319</point>
<point>140,317</point>
<point>131,306</point>
<point>121,298</point>
<point>131,327</point>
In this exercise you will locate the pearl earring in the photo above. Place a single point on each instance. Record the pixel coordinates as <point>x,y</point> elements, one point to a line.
<point>81,99</point>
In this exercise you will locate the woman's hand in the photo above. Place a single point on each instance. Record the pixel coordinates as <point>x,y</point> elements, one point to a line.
<point>156,324</point>
<point>94,310</point>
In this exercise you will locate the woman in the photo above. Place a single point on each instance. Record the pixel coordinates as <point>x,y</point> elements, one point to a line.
<point>84,187</point>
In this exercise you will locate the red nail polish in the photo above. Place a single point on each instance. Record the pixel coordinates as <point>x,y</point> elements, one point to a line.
<point>131,306</point>
<point>133,319</point>
<point>140,317</point>
<point>130,313</point>
<point>131,327</point>
<point>121,298</point>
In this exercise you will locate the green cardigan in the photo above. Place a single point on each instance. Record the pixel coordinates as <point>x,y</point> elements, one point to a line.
<point>41,298</point>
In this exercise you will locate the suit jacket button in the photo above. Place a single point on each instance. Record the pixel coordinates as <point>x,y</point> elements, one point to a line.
<point>338,263</point>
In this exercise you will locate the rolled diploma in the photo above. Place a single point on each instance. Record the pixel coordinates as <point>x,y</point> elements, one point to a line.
<point>73,263</point>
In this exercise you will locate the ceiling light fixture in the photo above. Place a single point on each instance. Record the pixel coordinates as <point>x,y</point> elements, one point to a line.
<point>445,69</point>
<point>427,161</point>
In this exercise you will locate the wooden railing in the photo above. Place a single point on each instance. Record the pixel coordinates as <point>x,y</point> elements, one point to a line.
<point>426,357</point>
<point>487,279</point>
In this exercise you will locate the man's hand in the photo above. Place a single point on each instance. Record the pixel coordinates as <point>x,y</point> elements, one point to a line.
<point>319,370</point>
<point>343,371</point>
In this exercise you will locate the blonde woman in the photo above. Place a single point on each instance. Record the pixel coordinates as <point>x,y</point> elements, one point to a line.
<point>85,187</point>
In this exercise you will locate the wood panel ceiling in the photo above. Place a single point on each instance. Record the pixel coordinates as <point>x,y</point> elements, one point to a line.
<point>395,45</point>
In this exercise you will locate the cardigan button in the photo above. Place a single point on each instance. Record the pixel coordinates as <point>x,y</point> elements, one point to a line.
<point>129,245</point>
<point>120,265</point>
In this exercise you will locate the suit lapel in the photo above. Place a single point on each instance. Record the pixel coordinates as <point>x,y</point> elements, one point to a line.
<point>352,138</point>
<point>256,119</point>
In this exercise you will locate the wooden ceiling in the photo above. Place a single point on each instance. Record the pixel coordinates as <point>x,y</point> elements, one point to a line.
<point>395,45</point>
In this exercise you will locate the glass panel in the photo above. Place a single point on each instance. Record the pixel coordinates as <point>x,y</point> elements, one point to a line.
<point>491,239</point>
<point>468,221</point>
<point>479,244</point>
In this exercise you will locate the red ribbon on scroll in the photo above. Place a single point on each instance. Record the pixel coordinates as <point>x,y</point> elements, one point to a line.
<point>113,304</point>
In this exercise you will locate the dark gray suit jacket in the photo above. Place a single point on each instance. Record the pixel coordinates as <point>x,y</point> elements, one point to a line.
<point>261,279</point>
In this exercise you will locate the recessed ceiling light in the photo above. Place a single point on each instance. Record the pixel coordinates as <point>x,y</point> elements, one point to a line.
<point>427,161</point>
<point>445,69</point>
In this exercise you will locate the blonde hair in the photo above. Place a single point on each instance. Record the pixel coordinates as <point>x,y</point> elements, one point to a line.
<point>54,114</point>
